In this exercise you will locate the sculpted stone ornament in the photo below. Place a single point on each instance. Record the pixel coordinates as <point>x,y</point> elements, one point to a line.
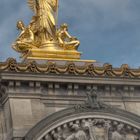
<point>92,129</point>
<point>78,134</point>
<point>117,134</point>
<point>69,68</point>
<point>92,103</point>
<point>90,121</point>
<point>93,99</point>
<point>41,39</point>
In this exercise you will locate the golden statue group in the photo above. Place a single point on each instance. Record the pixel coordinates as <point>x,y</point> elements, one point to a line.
<point>41,38</point>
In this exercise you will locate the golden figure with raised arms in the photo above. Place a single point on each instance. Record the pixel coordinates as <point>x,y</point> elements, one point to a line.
<point>41,39</point>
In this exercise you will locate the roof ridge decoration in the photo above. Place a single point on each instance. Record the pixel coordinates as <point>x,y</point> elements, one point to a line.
<point>11,65</point>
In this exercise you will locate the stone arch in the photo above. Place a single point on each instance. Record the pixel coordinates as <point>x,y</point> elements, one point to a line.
<point>107,120</point>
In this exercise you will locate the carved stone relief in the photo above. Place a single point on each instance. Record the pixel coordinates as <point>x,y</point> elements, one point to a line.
<point>94,129</point>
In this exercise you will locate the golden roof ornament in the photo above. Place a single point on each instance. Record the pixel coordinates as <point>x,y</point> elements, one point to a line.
<point>41,39</point>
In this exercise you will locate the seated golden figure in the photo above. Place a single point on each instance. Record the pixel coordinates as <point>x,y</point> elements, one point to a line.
<point>66,41</point>
<point>25,40</point>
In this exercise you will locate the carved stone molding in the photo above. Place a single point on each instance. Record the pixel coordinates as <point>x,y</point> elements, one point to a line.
<point>11,65</point>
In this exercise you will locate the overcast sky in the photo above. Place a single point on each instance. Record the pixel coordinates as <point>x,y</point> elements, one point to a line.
<point>109,30</point>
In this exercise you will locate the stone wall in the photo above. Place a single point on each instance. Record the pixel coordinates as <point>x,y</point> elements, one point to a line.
<point>26,98</point>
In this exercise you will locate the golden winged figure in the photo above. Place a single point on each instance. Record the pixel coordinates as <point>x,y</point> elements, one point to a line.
<point>46,13</point>
<point>41,37</point>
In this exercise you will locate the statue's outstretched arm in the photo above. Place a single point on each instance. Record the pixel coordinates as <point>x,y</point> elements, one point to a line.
<point>68,35</point>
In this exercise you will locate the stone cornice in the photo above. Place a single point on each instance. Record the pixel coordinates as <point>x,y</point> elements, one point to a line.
<point>70,68</point>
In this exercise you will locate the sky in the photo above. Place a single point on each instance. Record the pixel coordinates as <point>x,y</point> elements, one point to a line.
<point>109,30</point>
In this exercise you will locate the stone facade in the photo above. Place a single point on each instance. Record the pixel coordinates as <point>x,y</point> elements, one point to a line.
<point>30,92</point>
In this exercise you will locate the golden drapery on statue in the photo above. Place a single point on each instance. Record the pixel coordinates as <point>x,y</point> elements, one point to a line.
<point>46,15</point>
<point>41,39</point>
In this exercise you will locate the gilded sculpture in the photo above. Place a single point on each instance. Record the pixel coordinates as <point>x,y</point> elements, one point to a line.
<point>41,38</point>
<point>65,40</point>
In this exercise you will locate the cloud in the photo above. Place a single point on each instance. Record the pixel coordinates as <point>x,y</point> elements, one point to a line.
<point>101,14</point>
<point>109,30</point>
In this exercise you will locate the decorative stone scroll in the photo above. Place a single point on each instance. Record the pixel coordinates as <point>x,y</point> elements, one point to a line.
<point>93,129</point>
<point>11,65</point>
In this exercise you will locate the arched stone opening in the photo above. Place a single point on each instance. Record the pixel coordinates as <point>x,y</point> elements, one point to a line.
<point>86,123</point>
